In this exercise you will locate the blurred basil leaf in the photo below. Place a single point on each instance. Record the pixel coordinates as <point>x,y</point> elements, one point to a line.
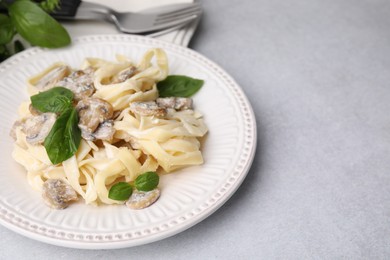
<point>7,31</point>
<point>4,53</point>
<point>36,26</point>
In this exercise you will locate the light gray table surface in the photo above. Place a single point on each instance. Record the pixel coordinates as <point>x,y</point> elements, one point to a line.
<point>318,76</point>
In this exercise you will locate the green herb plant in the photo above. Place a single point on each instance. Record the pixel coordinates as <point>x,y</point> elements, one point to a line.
<point>64,137</point>
<point>144,182</point>
<point>32,22</point>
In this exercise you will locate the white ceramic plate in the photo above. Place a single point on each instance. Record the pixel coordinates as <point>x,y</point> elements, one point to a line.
<point>188,196</point>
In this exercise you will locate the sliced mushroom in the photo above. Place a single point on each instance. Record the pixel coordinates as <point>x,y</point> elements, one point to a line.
<point>34,111</point>
<point>94,120</point>
<point>178,103</point>
<point>51,78</point>
<point>57,193</point>
<point>183,103</point>
<point>105,131</point>
<point>168,102</point>
<point>147,109</point>
<point>142,199</point>
<point>80,82</point>
<point>92,112</point>
<point>38,127</point>
<point>124,75</point>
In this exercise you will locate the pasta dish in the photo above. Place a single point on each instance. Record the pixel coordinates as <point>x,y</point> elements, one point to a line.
<point>106,131</point>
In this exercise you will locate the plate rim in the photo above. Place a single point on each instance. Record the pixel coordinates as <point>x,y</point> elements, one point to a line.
<point>74,240</point>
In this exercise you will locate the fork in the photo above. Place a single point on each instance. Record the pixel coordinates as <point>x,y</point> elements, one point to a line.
<point>149,20</point>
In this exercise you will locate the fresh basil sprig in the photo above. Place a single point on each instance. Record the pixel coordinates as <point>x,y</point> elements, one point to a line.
<point>30,20</point>
<point>7,30</point>
<point>36,26</point>
<point>49,5</point>
<point>144,182</point>
<point>56,100</point>
<point>120,191</point>
<point>4,53</point>
<point>147,181</point>
<point>179,86</point>
<point>64,137</point>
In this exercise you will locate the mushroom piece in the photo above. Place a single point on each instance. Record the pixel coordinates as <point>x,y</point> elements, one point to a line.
<point>167,102</point>
<point>105,131</point>
<point>142,199</point>
<point>34,111</point>
<point>80,82</point>
<point>92,112</point>
<point>38,127</point>
<point>124,75</point>
<point>183,103</point>
<point>51,78</point>
<point>57,193</point>
<point>147,109</point>
<point>177,103</point>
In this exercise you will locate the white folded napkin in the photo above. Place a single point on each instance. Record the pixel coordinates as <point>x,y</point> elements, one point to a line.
<point>180,36</point>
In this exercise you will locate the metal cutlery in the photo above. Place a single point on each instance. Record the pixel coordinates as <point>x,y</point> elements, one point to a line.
<point>147,21</point>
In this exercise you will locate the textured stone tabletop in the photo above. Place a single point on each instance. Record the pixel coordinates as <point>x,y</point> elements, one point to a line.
<point>318,76</point>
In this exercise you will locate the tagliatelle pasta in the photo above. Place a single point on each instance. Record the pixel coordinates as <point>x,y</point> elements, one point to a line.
<point>137,142</point>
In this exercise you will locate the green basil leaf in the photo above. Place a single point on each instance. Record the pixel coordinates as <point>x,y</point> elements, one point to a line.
<point>4,53</point>
<point>36,26</point>
<point>64,137</point>
<point>56,100</point>
<point>147,181</point>
<point>49,5</point>
<point>179,86</point>
<point>7,30</point>
<point>120,191</point>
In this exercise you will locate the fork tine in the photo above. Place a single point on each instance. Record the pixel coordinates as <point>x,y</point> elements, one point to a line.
<point>178,16</point>
<point>194,6</point>
<point>182,21</point>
